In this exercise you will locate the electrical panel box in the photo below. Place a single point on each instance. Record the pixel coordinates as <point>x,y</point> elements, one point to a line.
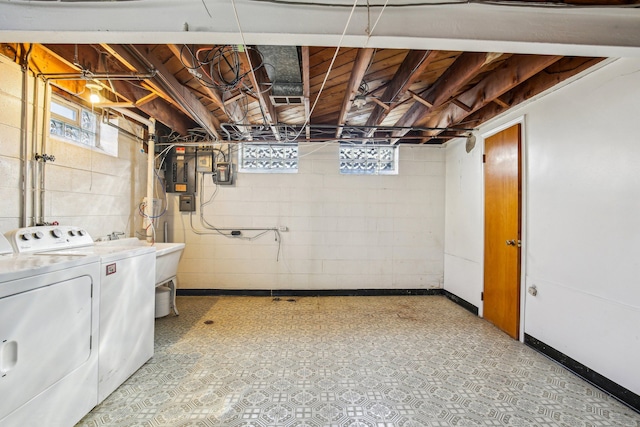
<point>205,162</point>
<point>187,203</point>
<point>223,174</point>
<point>180,174</point>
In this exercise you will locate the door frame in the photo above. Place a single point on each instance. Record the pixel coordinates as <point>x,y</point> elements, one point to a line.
<point>521,120</point>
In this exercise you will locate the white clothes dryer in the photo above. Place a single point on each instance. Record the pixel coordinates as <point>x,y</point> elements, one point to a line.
<point>127,298</point>
<point>49,313</point>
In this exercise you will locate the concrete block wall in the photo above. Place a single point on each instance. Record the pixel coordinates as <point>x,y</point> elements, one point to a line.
<point>83,187</point>
<point>344,231</point>
<point>10,134</point>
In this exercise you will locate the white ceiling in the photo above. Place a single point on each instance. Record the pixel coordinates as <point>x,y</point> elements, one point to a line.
<point>469,27</point>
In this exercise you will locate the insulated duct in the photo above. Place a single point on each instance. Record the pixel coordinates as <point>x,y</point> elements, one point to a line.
<point>283,67</point>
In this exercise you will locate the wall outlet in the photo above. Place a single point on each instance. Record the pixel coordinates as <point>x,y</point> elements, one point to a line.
<point>283,228</point>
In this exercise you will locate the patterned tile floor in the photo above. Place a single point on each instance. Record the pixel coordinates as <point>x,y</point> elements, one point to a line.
<point>347,361</point>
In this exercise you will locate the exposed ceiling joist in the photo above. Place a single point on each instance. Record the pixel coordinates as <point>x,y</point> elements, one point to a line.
<point>229,106</point>
<point>182,94</point>
<point>513,72</point>
<point>464,68</point>
<point>360,65</point>
<point>409,71</point>
<point>157,108</point>
<point>551,76</point>
<point>260,80</point>
<point>124,55</point>
<point>419,91</point>
<point>214,94</point>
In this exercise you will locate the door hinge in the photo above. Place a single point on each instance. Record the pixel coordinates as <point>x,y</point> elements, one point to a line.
<point>481,296</point>
<point>484,158</point>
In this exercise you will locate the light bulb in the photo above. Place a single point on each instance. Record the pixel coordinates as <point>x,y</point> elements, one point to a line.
<point>94,97</point>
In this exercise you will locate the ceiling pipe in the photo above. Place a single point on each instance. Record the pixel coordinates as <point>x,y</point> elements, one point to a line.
<point>87,75</point>
<point>137,117</point>
<point>169,89</point>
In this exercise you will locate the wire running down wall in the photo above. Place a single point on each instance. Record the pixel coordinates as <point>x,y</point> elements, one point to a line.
<point>343,231</point>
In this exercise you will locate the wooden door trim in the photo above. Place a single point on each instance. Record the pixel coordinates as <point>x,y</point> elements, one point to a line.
<point>521,120</point>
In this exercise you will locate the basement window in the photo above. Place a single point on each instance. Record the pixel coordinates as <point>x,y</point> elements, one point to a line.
<point>368,159</point>
<point>268,158</point>
<point>73,123</point>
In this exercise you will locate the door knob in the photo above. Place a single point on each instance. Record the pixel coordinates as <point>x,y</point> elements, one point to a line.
<point>511,242</point>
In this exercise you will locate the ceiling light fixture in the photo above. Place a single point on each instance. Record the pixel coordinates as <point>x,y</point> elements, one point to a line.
<point>360,101</point>
<point>470,142</point>
<point>95,89</point>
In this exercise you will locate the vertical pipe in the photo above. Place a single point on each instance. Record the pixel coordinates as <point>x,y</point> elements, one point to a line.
<point>150,179</point>
<point>35,167</point>
<point>45,137</point>
<point>24,150</point>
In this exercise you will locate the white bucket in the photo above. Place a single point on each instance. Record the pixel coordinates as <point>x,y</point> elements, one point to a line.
<point>163,301</point>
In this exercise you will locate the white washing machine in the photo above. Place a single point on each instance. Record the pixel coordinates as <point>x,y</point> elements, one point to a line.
<point>127,298</point>
<point>49,312</point>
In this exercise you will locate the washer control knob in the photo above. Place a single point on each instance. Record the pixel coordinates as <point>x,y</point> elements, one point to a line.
<point>56,233</point>
<point>38,235</point>
<point>26,236</point>
<point>81,232</point>
<point>72,233</point>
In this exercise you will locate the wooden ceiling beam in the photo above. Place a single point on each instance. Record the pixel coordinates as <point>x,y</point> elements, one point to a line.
<point>213,94</point>
<point>259,80</point>
<point>146,99</point>
<point>551,76</point>
<point>179,92</point>
<point>408,72</point>
<point>421,100</point>
<point>360,65</point>
<point>510,74</point>
<point>43,61</point>
<point>156,108</point>
<point>230,106</point>
<point>463,69</point>
<point>125,57</point>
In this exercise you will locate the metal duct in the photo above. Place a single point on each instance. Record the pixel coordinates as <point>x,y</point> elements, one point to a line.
<point>283,67</point>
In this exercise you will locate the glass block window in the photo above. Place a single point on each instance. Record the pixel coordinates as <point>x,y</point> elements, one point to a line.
<point>368,159</point>
<point>269,158</point>
<point>73,123</point>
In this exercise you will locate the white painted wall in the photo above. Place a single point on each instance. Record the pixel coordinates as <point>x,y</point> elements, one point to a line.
<point>345,231</point>
<point>581,220</point>
<point>464,227</point>
<point>83,187</point>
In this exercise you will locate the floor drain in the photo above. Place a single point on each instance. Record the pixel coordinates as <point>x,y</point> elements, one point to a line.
<point>208,322</point>
<point>291,300</point>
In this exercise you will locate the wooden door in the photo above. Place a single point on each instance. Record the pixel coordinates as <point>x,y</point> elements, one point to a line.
<point>502,207</point>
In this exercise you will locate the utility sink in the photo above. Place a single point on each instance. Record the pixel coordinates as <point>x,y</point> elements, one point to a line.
<point>167,256</point>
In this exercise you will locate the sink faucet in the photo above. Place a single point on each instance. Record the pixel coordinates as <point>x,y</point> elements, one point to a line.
<point>115,235</point>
